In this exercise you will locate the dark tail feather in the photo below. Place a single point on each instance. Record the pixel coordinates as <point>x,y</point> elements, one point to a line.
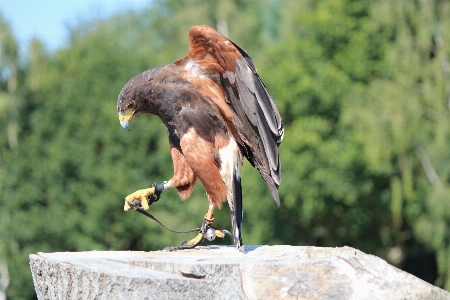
<point>237,212</point>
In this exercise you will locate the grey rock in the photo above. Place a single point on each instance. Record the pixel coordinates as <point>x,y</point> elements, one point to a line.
<point>213,272</point>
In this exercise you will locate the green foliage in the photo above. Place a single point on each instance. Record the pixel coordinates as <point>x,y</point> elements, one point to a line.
<point>363,88</point>
<point>9,106</point>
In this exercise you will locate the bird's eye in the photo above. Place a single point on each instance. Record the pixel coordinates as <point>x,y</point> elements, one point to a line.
<point>131,105</point>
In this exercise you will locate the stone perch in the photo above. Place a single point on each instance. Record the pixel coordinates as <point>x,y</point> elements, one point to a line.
<point>213,272</point>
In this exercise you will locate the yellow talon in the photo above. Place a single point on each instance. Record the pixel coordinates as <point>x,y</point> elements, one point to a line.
<point>127,206</point>
<point>194,240</point>
<point>140,195</point>
<point>219,233</point>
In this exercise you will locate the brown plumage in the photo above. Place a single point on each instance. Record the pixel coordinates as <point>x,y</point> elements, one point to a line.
<point>217,110</point>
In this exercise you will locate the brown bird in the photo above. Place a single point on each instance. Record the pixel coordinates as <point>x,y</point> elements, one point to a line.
<point>217,110</point>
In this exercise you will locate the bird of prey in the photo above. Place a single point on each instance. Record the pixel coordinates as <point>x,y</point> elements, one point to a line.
<point>217,110</point>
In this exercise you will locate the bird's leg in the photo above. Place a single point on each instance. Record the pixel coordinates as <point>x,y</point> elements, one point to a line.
<point>207,230</point>
<point>209,217</point>
<point>145,197</point>
<point>211,232</point>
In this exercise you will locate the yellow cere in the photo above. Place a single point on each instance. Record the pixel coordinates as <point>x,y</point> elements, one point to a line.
<point>127,115</point>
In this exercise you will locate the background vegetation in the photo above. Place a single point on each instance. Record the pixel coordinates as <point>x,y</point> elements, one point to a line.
<point>364,91</point>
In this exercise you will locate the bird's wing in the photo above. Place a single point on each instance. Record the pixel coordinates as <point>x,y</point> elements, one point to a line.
<point>254,113</point>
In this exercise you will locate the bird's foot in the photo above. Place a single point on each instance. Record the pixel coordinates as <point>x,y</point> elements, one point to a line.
<point>145,197</point>
<point>206,231</point>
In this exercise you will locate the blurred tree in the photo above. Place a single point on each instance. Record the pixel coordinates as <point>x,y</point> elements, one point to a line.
<point>401,121</point>
<point>329,198</point>
<point>364,91</point>
<point>8,138</point>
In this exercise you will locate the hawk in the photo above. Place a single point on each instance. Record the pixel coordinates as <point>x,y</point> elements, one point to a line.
<point>217,110</point>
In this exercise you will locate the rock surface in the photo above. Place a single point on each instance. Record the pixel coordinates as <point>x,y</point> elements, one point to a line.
<point>213,272</point>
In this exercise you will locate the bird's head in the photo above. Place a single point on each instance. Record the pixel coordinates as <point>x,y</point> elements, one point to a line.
<point>128,100</point>
<point>126,114</point>
<point>135,97</point>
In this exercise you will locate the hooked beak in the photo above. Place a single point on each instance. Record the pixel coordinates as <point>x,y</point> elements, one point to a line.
<point>125,118</point>
<point>124,124</point>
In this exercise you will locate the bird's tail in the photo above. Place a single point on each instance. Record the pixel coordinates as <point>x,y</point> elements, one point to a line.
<point>237,212</point>
<point>230,171</point>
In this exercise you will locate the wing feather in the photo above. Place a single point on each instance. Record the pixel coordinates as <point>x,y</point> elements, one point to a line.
<point>255,86</point>
<point>256,117</point>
